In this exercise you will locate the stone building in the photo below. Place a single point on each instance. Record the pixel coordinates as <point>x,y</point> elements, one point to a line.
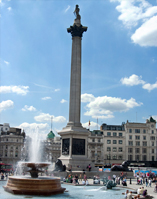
<point>113,143</point>
<point>52,147</point>
<point>141,141</point>
<point>95,147</point>
<point>11,144</point>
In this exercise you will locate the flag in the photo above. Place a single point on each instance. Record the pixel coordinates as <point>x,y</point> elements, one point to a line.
<point>89,123</point>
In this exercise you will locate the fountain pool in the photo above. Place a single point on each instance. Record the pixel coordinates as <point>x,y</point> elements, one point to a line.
<point>74,192</point>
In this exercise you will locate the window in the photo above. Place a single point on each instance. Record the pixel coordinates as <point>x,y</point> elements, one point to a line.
<point>144,143</point>
<point>130,137</point>
<point>137,137</point>
<point>114,141</point>
<point>108,148</point>
<point>108,133</point>
<point>129,150</point>
<point>17,147</point>
<point>137,157</point>
<point>114,149</point>
<point>120,134</point>
<point>152,131</point>
<point>137,150</point>
<point>137,130</point>
<point>120,157</point>
<point>130,130</point>
<point>108,157</point>
<point>120,141</point>
<point>144,150</point>
<point>16,154</point>
<point>120,149</point>
<point>17,140</point>
<point>98,140</point>
<point>152,150</point>
<point>144,131</point>
<point>114,157</point>
<point>152,158</point>
<point>137,143</point>
<point>130,143</point>
<point>93,140</point>
<point>144,137</point>
<point>152,143</point>
<point>129,157</point>
<point>108,141</point>
<point>144,158</point>
<point>7,139</point>
<point>6,146</point>
<point>114,134</point>
<point>152,137</point>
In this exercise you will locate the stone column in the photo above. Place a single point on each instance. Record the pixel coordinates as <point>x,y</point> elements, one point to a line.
<point>75,82</point>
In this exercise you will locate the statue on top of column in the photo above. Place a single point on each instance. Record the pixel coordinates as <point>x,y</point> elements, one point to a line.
<point>76,12</point>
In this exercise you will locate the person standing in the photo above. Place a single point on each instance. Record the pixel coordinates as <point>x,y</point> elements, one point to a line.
<point>129,195</point>
<point>150,182</point>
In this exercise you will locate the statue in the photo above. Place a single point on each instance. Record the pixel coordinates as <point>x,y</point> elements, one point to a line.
<point>122,167</point>
<point>76,12</point>
<point>59,166</point>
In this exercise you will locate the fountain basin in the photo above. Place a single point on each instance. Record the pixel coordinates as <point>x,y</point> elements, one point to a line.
<point>30,186</point>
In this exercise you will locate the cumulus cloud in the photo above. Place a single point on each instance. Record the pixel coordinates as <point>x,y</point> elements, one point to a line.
<point>28,108</point>
<point>87,97</point>
<point>6,105</point>
<point>20,90</point>
<point>63,101</point>
<point>104,107</point>
<point>132,80</point>
<point>133,12</point>
<point>149,86</point>
<point>146,35</point>
<point>46,98</point>
<point>136,80</point>
<point>93,125</point>
<point>47,117</point>
<point>29,129</point>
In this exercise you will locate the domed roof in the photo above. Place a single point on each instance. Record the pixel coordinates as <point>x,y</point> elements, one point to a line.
<point>51,135</point>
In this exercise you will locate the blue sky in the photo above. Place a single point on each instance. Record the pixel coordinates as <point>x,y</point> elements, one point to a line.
<point>119,62</point>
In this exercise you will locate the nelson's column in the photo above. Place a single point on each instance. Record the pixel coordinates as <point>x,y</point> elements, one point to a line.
<point>74,136</point>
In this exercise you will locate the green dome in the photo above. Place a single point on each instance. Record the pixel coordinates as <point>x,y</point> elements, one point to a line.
<point>51,135</point>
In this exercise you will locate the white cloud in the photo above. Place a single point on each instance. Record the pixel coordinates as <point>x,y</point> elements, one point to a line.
<point>21,90</point>
<point>149,86</point>
<point>6,105</point>
<point>6,62</point>
<point>43,129</point>
<point>136,80</point>
<point>28,108</point>
<point>93,125</point>
<point>56,90</point>
<point>87,97</point>
<point>132,80</point>
<point>146,35</point>
<point>47,117</point>
<point>67,8</point>
<point>9,8</point>
<point>133,12</point>
<point>104,107</point>
<point>46,98</point>
<point>63,101</point>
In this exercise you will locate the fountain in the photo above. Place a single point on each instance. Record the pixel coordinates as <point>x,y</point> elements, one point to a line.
<point>34,184</point>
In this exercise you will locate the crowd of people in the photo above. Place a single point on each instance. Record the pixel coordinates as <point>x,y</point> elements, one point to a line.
<point>75,179</point>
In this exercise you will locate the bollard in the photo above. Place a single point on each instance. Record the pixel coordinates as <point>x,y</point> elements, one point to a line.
<point>130,180</point>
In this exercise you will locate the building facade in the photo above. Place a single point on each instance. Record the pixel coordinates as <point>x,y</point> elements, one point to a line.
<point>141,141</point>
<point>11,144</point>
